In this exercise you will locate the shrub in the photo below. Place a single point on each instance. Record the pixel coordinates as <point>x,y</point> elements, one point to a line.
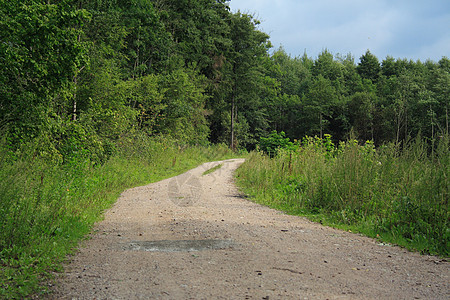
<point>274,142</point>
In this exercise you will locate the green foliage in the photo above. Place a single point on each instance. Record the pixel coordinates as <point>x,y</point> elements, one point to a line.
<point>361,109</point>
<point>39,55</point>
<point>391,102</point>
<point>184,100</point>
<point>327,67</point>
<point>400,194</point>
<point>146,43</point>
<point>321,145</point>
<point>213,169</point>
<point>197,72</point>
<point>275,142</point>
<point>199,30</point>
<point>369,67</point>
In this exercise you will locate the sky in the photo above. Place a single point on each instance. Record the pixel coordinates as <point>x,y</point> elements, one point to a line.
<point>411,29</point>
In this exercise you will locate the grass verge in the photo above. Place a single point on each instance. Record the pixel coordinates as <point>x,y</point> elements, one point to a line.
<point>398,195</point>
<point>47,208</point>
<point>209,171</point>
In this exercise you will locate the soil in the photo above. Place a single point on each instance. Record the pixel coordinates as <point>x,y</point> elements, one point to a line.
<point>195,236</point>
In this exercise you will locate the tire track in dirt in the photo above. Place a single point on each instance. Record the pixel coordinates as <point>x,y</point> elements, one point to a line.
<point>196,237</point>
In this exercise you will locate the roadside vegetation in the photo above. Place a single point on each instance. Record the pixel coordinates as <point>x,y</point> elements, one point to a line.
<point>396,193</point>
<point>48,207</point>
<point>209,171</point>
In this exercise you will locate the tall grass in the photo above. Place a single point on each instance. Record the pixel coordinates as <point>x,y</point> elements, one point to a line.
<point>398,194</point>
<point>46,207</point>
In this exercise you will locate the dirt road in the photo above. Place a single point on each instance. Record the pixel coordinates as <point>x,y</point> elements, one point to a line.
<point>195,237</point>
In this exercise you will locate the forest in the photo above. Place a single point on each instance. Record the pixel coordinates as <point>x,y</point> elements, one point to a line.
<point>83,74</point>
<point>88,86</point>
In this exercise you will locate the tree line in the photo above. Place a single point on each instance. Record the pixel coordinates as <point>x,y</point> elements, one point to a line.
<point>79,76</point>
<point>391,100</point>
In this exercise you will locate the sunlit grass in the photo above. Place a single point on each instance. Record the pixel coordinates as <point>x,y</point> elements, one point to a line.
<point>397,195</point>
<point>209,171</point>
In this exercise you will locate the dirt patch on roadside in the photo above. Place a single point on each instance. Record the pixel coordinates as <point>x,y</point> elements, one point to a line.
<point>196,237</point>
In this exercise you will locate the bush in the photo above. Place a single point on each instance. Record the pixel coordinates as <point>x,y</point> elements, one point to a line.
<point>274,142</point>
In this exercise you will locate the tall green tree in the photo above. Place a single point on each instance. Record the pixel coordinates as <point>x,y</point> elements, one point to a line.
<point>318,104</point>
<point>40,54</point>
<point>291,79</point>
<point>245,59</point>
<point>147,42</point>
<point>361,110</point>
<point>199,30</point>
<point>327,67</point>
<point>369,66</point>
<point>184,116</point>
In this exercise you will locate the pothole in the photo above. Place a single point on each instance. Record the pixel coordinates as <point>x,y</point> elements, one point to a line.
<point>178,245</point>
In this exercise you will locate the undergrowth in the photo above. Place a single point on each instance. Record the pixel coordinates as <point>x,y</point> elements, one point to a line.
<point>396,194</point>
<point>47,207</point>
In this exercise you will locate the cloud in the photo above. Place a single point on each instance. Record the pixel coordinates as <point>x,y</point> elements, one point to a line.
<point>399,28</point>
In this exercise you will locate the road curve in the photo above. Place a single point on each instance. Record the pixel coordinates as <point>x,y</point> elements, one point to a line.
<point>195,237</point>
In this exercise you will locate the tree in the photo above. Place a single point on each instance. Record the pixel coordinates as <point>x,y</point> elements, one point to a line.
<point>369,67</point>
<point>326,66</point>
<point>389,67</point>
<point>352,81</point>
<point>361,109</point>
<point>147,42</point>
<point>317,105</point>
<point>439,97</point>
<point>183,115</point>
<point>245,65</point>
<point>40,54</point>
<point>199,31</point>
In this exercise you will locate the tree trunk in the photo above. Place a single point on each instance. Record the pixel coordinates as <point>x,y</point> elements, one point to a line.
<point>74,108</point>
<point>74,115</point>
<point>233,108</point>
<point>446,118</point>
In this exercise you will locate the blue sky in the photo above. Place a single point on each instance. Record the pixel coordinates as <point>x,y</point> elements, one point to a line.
<point>412,29</point>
